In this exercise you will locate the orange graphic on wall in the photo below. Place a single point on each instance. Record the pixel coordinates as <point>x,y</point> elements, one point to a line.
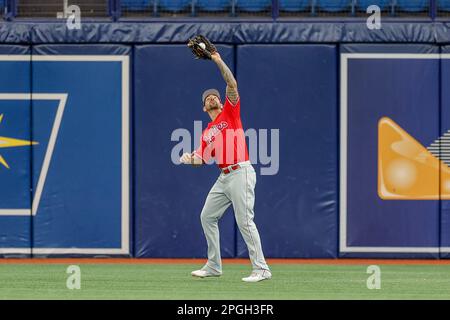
<point>406,169</point>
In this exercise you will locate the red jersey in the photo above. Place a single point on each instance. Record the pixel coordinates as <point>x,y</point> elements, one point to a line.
<point>224,138</point>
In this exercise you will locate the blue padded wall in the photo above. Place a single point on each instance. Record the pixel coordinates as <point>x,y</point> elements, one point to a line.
<point>444,128</point>
<point>372,87</point>
<point>83,180</point>
<point>296,209</point>
<point>169,197</point>
<point>15,113</point>
<point>93,202</point>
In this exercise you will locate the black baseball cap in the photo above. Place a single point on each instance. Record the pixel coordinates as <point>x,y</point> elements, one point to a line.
<point>210,92</point>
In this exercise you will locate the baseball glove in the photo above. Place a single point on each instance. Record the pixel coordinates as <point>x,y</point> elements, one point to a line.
<point>201,47</point>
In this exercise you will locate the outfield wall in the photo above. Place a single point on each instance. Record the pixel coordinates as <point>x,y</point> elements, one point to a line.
<point>104,119</point>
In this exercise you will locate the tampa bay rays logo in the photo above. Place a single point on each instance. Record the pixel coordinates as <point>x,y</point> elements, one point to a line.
<point>10,143</point>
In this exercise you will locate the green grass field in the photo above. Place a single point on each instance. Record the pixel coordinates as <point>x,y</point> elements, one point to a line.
<point>173,281</point>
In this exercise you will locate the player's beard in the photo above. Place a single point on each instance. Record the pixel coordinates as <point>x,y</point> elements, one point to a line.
<point>213,106</point>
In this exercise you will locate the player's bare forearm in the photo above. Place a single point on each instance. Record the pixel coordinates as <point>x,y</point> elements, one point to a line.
<point>231,91</point>
<point>226,72</point>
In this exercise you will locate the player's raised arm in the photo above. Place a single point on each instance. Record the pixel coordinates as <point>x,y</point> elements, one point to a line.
<point>232,90</point>
<point>202,48</point>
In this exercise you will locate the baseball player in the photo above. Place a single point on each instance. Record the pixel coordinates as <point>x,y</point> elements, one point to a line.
<point>224,141</point>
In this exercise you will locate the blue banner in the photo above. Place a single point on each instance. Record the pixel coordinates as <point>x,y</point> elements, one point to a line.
<point>79,144</point>
<point>15,150</point>
<point>389,181</point>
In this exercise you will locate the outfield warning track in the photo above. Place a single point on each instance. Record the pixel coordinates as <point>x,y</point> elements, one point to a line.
<point>225,261</point>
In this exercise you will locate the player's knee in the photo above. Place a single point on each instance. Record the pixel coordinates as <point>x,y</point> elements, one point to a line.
<point>205,217</point>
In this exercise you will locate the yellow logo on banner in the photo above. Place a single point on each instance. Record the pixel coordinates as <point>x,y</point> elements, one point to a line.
<point>10,142</point>
<point>406,169</point>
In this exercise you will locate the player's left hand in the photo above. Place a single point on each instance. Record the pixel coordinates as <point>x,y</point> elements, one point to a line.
<point>201,47</point>
<point>186,158</point>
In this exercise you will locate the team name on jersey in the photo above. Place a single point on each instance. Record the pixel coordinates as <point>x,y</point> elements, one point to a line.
<point>213,131</point>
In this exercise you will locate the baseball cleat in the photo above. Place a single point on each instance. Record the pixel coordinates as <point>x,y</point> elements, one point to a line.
<point>258,276</point>
<point>203,274</point>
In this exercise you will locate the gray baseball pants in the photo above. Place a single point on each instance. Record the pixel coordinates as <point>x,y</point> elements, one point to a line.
<point>236,188</point>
